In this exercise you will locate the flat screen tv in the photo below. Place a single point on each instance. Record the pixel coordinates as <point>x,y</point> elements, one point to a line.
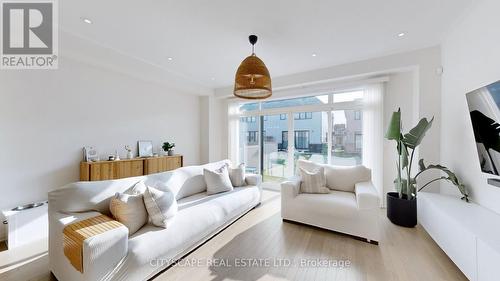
<point>484,108</point>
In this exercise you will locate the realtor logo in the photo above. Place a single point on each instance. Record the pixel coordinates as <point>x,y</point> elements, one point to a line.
<point>29,35</point>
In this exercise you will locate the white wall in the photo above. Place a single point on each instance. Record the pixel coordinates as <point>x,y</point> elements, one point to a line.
<point>46,117</point>
<point>471,58</point>
<point>399,93</point>
<point>413,84</point>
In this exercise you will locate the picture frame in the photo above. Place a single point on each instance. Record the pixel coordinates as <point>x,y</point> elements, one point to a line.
<point>145,148</point>
<point>90,154</point>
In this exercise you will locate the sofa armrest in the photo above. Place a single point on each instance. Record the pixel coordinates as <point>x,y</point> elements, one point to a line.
<point>101,253</point>
<point>291,187</point>
<point>253,179</point>
<point>366,195</point>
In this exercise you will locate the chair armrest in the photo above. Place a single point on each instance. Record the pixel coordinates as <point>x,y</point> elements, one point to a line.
<point>253,179</point>
<point>101,253</point>
<point>291,187</point>
<point>366,195</point>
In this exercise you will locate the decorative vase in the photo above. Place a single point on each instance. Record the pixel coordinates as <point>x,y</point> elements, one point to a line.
<point>130,155</point>
<point>170,153</point>
<point>401,211</point>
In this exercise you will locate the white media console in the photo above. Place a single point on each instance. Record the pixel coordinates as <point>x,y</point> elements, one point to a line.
<point>468,233</point>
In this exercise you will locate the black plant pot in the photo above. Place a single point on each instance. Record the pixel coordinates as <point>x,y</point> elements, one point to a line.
<point>401,212</point>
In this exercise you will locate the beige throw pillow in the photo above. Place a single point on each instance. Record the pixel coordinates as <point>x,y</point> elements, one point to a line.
<point>217,181</point>
<point>129,209</point>
<point>313,182</point>
<point>237,175</point>
<point>161,206</point>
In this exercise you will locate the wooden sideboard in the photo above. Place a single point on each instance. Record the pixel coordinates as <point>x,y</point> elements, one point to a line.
<point>108,170</point>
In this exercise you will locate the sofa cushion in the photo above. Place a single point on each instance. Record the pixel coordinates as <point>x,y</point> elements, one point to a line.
<point>218,180</point>
<point>187,181</point>
<point>161,206</point>
<point>313,182</point>
<point>344,178</point>
<point>129,209</point>
<point>237,175</point>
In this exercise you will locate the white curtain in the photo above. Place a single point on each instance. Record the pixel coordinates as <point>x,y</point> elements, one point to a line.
<point>373,133</point>
<point>233,129</point>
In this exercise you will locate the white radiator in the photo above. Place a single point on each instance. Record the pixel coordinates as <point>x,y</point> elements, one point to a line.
<point>25,226</point>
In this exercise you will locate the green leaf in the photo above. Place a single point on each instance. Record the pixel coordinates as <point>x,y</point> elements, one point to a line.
<point>413,138</point>
<point>421,165</point>
<point>450,176</point>
<point>394,129</point>
<point>403,155</point>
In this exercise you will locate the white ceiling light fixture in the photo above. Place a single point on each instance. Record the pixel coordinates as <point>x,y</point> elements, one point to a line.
<point>401,34</point>
<point>170,58</point>
<point>87,20</point>
<point>314,54</point>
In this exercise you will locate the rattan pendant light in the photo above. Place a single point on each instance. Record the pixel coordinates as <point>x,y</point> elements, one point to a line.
<point>252,79</point>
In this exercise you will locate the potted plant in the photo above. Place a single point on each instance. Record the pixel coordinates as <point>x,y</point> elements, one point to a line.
<point>402,205</point>
<point>168,147</point>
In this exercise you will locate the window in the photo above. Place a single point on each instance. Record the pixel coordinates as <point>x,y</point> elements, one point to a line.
<point>302,115</point>
<point>327,129</point>
<point>252,119</point>
<point>302,139</point>
<point>347,138</point>
<point>252,137</point>
<point>357,115</point>
<point>358,141</point>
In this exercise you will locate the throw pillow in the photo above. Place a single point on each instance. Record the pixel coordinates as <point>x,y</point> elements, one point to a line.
<point>237,175</point>
<point>129,210</point>
<point>161,206</point>
<point>218,180</point>
<point>313,182</point>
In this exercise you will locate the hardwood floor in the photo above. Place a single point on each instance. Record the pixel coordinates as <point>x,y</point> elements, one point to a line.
<point>261,238</point>
<point>403,254</point>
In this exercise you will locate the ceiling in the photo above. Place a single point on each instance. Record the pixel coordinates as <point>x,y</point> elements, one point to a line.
<point>208,39</point>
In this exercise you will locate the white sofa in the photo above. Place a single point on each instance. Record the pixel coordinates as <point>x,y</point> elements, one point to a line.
<point>351,207</point>
<point>114,255</point>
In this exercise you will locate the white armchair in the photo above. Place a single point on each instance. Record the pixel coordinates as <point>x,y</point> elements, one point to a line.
<point>351,207</point>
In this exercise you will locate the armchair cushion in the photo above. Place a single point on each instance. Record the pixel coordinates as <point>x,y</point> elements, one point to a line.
<point>313,182</point>
<point>366,196</point>
<point>253,179</point>
<point>344,178</point>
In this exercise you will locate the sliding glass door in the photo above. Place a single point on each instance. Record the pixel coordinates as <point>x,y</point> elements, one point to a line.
<point>325,129</point>
<point>311,136</point>
<point>276,164</point>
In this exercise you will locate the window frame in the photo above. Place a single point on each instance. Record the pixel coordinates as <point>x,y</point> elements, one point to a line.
<point>289,114</point>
